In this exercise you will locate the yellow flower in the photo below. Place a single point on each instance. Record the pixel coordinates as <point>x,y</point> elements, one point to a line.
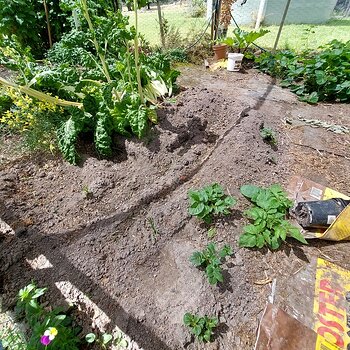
<point>51,333</point>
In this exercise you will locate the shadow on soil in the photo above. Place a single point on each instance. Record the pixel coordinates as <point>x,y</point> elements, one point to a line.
<point>63,269</point>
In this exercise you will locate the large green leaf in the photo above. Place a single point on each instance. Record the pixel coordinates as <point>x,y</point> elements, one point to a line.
<point>247,240</point>
<point>250,191</point>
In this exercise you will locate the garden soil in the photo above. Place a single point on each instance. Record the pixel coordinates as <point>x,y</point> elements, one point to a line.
<point>114,236</point>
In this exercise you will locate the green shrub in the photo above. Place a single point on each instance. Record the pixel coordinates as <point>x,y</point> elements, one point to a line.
<point>26,19</point>
<point>313,76</point>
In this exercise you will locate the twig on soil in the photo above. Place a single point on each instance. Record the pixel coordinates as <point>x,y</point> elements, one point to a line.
<point>326,256</point>
<point>321,150</point>
<point>263,282</point>
<point>273,291</point>
<point>299,269</point>
<point>318,150</point>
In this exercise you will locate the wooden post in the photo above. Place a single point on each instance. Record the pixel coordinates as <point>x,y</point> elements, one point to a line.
<point>160,19</point>
<point>281,26</point>
<point>48,23</point>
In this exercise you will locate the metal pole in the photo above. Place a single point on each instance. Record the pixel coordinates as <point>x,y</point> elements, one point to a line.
<point>160,19</point>
<point>260,14</point>
<point>281,26</point>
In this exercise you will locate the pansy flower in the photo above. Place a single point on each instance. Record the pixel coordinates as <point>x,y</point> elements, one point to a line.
<point>48,336</point>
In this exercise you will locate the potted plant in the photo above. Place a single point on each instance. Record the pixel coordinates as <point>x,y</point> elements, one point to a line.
<point>220,50</point>
<point>239,44</point>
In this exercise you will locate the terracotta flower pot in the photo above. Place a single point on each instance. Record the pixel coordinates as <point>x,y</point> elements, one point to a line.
<point>219,51</point>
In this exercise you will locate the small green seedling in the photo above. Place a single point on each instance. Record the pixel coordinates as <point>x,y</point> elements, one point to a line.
<point>87,192</point>
<point>103,340</point>
<point>120,342</point>
<point>210,201</point>
<point>210,259</point>
<point>155,232</point>
<point>201,327</point>
<point>268,135</point>
<point>211,232</point>
<point>269,226</point>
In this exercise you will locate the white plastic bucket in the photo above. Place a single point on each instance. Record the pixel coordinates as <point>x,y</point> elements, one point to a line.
<point>234,62</point>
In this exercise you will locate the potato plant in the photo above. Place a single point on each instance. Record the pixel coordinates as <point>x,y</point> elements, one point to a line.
<point>201,326</point>
<point>269,226</point>
<point>210,201</point>
<point>210,259</point>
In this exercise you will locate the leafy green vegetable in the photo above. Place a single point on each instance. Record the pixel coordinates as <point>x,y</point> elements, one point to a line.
<point>268,135</point>
<point>201,327</point>
<point>243,39</point>
<point>210,259</point>
<point>210,201</point>
<point>93,67</point>
<point>313,76</point>
<point>269,227</point>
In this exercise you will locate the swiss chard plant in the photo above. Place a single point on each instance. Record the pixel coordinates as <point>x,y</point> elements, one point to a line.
<point>269,226</point>
<point>210,201</point>
<point>210,259</point>
<point>201,326</point>
<point>314,76</point>
<point>99,75</point>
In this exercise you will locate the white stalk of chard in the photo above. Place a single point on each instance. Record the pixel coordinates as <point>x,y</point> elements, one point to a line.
<point>136,44</point>
<point>40,95</point>
<point>97,46</point>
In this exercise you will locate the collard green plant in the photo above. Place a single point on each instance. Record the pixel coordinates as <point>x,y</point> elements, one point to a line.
<point>201,326</point>
<point>243,39</point>
<point>210,201</point>
<point>313,76</point>
<point>269,226</point>
<point>210,259</point>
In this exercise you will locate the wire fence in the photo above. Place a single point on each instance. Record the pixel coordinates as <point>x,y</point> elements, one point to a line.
<point>178,20</point>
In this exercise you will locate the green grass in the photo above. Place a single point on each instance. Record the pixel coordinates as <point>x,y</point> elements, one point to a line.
<point>176,15</point>
<point>303,36</point>
<point>294,36</point>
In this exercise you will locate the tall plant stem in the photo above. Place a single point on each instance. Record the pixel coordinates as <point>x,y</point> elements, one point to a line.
<point>97,46</point>
<point>136,44</point>
<point>40,95</point>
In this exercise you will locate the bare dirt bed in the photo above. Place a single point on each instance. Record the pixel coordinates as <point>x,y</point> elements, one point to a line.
<point>102,244</point>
